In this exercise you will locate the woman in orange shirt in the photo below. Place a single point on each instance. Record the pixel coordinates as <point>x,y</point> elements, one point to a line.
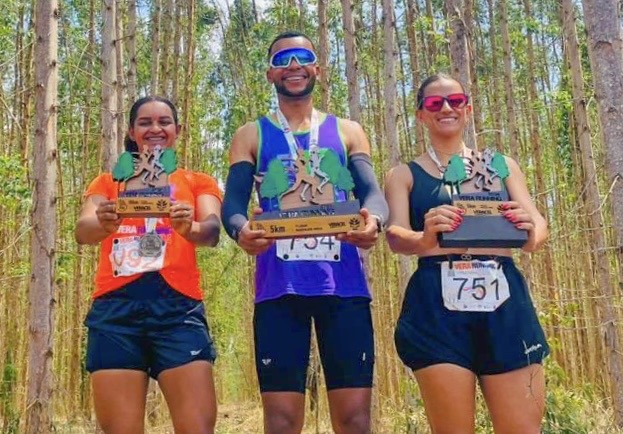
<point>147,316</point>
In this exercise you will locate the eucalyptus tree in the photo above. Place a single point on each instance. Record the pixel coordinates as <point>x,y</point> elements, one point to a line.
<point>109,84</point>
<point>605,47</point>
<point>43,251</point>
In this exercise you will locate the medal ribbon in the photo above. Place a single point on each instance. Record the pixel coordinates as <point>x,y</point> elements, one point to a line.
<point>287,131</point>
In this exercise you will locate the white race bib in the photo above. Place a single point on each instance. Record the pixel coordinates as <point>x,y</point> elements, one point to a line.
<point>321,248</point>
<point>126,258</point>
<point>473,286</point>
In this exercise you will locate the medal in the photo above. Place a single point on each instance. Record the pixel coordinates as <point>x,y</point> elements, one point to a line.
<point>150,245</point>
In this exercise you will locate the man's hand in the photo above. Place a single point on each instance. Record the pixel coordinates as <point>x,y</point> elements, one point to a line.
<point>254,242</point>
<point>365,238</point>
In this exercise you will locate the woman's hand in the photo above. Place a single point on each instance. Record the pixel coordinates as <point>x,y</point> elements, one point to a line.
<point>106,213</point>
<point>182,216</point>
<point>514,213</point>
<point>443,218</point>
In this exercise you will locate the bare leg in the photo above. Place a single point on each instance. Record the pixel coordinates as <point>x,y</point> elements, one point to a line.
<point>449,398</point>
<point>284,412</point>
<point>190,395</point>
<point>119,398</point>
<point>350,410</point>
<point>516,400</point>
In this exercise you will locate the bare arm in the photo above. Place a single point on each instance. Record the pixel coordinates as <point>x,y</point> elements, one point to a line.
<point>98,219</point>
<point>205,230</point>
<point>400,237</point>
<point>522,211</point>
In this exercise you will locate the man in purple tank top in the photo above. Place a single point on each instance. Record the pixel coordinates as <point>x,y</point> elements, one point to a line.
<point>326,281</point>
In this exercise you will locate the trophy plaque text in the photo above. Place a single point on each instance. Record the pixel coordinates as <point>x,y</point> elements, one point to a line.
<point>305,191</point>
<point>143,180</point>
<point>477,186</point>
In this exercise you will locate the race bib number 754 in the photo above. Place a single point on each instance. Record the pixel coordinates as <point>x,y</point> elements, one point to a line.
<point>473,286</point>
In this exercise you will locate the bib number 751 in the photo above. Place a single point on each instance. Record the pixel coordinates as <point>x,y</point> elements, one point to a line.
<point>473,286</point>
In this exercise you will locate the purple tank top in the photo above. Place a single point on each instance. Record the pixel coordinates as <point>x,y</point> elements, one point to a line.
<point>276,274</point>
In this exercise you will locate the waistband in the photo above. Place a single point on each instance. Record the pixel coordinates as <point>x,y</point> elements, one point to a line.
<point>150,286</point>
<point>428,261</point>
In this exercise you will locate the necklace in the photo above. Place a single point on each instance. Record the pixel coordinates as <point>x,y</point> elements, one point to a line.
<point>433,156</point>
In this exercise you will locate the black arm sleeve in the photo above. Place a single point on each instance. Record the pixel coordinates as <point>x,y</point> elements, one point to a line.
<point>367,189</point>
<point>237,194</point>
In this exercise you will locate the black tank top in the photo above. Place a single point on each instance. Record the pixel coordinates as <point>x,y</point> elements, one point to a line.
<point>427,192</point>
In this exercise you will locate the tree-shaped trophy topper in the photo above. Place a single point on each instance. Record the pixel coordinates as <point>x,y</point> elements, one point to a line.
<point>477,186</point>
<point>144,189</point>
<point>305,192</point>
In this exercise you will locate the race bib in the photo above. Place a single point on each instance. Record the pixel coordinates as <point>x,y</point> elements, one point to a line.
<point>473,286</point>
<point>127,257</point>
<point>321,248</point>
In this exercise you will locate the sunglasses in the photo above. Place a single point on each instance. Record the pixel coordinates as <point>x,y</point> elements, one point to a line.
<point>283,58</point>
<point>434,103</point>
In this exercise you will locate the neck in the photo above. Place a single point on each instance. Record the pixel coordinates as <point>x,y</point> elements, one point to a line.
<point>297,111</point>
<point>447,148</point>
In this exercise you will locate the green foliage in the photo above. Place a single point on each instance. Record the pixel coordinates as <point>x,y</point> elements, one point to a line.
<point>10,412</point>
<point>14,183</point>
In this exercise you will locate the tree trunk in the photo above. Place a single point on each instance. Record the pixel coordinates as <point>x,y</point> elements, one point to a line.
<point>109,86</point>
<point>459,55</point>
<point>323,54</point>
<point>38,418</point>
<point>131,36</point>
<point>513,130</point>
<point>155,46</point>
<point>352,67</point>
<point>605,50</point>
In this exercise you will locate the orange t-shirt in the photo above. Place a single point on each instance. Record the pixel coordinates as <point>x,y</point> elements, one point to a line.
<point>179,267</point>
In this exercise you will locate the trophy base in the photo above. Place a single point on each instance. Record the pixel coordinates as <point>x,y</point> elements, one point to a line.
<point>494,232</point>
<point>149,202</point>
<point>483,226</point>
<point>325,219</point>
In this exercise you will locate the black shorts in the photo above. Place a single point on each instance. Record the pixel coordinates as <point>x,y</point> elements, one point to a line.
<point>486,343</point>
<point>147,326</point>
<point>282,341</point>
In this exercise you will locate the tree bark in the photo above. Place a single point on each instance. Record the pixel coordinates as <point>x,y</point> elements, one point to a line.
<point>41,297</point>
<point>605,49</point>
<point>323,54</point>
<point>109,86</point>
<point>352,67</point>
<point>459,55</point>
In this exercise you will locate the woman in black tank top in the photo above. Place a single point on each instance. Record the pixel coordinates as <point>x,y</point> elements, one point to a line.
<point>439,342</point>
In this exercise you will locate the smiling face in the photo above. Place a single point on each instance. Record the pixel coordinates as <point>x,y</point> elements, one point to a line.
<point>154,125</point>
<point>447,122</point>
<point>295,80</point>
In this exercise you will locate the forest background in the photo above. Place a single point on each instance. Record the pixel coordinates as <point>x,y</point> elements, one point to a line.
<point>546,81</point>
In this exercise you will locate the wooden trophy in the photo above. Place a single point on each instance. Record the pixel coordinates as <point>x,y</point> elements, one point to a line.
<point>477,186</point>
<point>306,189</point>
<point>143,182</point>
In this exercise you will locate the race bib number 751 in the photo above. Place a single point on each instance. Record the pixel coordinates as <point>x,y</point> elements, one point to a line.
<point>473,286</point>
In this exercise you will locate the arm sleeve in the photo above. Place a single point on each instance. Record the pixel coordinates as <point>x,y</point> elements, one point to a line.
<point>367,189</point>
<point>238,189</point>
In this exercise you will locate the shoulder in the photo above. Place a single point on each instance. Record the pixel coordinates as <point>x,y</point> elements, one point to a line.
<point>348,126</point>
<point>354,136</point>
<point>399,176</point>
<point>244,143</point>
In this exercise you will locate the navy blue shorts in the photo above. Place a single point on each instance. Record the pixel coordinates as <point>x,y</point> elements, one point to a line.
<point>486,343</point>
<point>282,341</point>
<point>147,326</point>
